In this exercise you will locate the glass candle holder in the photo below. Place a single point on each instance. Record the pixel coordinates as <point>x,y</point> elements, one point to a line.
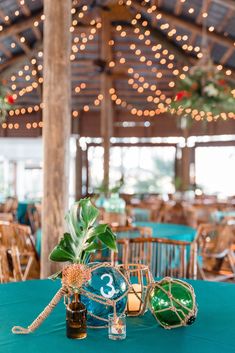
<point>139,278</point>
<point>76,317</point>
<point>117,326</point>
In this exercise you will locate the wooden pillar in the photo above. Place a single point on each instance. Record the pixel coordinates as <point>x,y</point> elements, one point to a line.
<point>87,171</point>
<point>185,168</point>
<point>78,171</point>
<point>57,125</point>
<point>106,104</point>
<point>185,163</point>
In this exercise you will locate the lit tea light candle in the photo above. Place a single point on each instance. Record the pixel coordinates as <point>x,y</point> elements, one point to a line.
<point>134,299</point>
<point>117,327</point>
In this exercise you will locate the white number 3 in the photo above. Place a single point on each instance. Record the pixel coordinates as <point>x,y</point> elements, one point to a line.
<point>112,290</point>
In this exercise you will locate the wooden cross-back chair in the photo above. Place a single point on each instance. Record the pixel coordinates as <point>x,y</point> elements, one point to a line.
<point>34,215</point>
<point>164,257</point>
<point>215,259</point>
<point>120,257</point>
<point>4,266</point>
<point>10,205</point>
<point>17,241</point>
<point>6,217</point>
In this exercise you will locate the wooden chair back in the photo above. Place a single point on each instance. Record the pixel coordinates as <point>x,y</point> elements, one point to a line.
<point>34,216</point>
<point>121,257</point>
<point>4,266</point>
<point>214,243</point>
<point>164,257</point>
<point>6,217</point>
<point>17,240</point>
<point>10,205</point>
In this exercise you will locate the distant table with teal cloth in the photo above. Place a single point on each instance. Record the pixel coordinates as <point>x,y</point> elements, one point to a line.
<point>170,231</point>
<point>21,212</point>
<point>213,331</point>
<point>218,216</point>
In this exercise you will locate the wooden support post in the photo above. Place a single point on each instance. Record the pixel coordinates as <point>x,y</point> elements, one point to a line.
<point>106,104</point>
<point>185,168</point>
<point>78,171</point>
<point>185,163</point>
<point>57,125</point>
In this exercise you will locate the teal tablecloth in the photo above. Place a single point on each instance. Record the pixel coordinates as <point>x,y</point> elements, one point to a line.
<point>213,332</point>
<point>171,231</point>
<point>141,214</point>
<point>218,216</point>
<point>21,212</point>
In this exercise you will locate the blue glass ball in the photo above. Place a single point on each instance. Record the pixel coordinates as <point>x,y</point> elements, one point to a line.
<point>110,284</point>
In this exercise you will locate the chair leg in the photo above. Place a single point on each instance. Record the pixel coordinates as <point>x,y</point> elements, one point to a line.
<point>4,267</point>
<point>28,267</point>
<point>17,273</point>
<point>231,260</point>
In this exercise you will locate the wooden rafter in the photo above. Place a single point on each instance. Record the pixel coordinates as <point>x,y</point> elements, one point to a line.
<point>26,11</point>
<point>161,38</point>
<point>159,3</point>
<point>226,56</point>
<point>3,17</point>
<point>204,9</point>
<point>24,8</point>
<point>12,65</point>
<point>5,51</point>
<point>224,22</point>
<point>178,7</point>
<point>24,46</point>
<point>195,28</point>
<point>20,26</point>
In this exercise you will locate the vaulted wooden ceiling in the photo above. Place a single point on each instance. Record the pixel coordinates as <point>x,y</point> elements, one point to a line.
<point>152,44</point>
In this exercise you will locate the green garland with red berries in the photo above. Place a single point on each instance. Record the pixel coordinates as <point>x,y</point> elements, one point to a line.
<point>204,93</point>
<point>6,102</point>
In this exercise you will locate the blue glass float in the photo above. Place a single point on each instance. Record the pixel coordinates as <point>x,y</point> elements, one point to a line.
<point>115,204</point>
<point>109,283</point>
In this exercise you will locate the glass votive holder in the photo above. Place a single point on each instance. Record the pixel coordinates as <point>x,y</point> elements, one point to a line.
<point>117,327</point>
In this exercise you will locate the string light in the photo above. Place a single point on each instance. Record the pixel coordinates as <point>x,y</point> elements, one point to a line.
<point>138,82</point>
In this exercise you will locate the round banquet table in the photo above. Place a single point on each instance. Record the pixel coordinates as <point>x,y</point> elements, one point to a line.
<point>170,231</point>
<point>213,331</point>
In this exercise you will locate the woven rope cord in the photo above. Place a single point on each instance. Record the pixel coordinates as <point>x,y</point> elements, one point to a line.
<point>66,292</point>
<point>43,315</point>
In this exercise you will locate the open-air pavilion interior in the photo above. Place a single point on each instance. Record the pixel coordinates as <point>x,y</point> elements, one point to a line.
<point>129,106</point>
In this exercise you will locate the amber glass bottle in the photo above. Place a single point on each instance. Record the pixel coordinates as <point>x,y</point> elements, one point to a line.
<point>76,317</point>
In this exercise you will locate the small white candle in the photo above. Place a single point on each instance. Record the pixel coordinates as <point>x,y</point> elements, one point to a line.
<point>134,303</point>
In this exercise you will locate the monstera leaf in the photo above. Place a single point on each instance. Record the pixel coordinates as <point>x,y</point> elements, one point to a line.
<point>84,236</point>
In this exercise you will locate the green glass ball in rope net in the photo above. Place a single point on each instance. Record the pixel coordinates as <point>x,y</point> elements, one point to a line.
<point>173,303</point>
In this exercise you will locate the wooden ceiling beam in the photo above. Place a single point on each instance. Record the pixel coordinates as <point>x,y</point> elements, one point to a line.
<point>178,7</point>
<point>5,51</point>
<point>160,37</point>
<point>22,45</point>
<point>10,66</point>
<point>224,22</point>
<point>226,56</point>
<point>4,17</point>
<point>195,28</point>
<point>204,9</point>
<point>37,33</point>
<point>20,26</point>
<point>24,8</point>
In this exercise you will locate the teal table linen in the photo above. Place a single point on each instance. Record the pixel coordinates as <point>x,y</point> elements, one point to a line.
<point>170,231</point>
<point>21,212</point>
<point>213,331</point>
<point>218,216</point>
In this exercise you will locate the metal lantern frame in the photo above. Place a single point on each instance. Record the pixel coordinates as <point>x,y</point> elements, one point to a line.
<point>144,278</point>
